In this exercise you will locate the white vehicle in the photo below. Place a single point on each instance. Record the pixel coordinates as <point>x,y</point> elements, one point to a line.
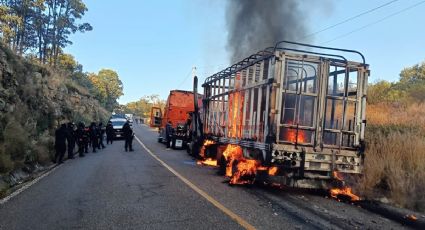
<point>129,117</point>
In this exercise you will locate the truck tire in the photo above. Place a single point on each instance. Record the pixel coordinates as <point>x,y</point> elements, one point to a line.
<point>188,148</point>
<point>173,142</point>
<point>222,166</point>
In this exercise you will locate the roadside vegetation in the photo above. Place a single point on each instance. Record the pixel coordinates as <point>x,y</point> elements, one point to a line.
<point>142,107</point>
<point>395,152</point>
<point>41,86</point>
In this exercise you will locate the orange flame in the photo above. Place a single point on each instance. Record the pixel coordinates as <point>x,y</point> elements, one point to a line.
<point>206,161</point>
<point>344,191</point>
<point>411,217</point>
<point>273,171</point>
<point>204,147</point>
<point>337,176</point>
<point>246,169</point>
<point>291,135</point>
<point>235,115</point>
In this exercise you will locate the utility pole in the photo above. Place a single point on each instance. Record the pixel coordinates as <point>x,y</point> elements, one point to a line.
<point>193,72</point>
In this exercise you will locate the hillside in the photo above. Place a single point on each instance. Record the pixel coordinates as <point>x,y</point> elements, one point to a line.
<point>34,100</point>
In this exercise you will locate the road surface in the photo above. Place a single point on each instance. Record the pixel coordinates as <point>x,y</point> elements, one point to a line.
<point>165,189</point>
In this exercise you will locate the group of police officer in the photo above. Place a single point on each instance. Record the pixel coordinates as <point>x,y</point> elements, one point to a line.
<point>67,136</point>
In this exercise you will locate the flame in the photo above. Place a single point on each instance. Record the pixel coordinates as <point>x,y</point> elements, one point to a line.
<point>273,171</point>
<point>344,191</point>
<point>208,161</point>
<point>411,217</point>
<point>291,135</point>
<point>204,147</point>
<point>236,100</point>
<point>232,153</point>
<point>337,175</point>
<point>246,169</point>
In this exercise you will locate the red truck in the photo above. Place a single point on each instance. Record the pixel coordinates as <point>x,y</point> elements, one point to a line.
<point>179,105</point>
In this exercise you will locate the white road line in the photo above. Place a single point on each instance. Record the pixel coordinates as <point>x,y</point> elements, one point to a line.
<point>210,199</point>
<point>26,186</point>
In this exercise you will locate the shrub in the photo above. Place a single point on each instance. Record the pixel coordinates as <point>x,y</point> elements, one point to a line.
<point>16,141</point>
<point>44,148</point>
<point>6,163</point>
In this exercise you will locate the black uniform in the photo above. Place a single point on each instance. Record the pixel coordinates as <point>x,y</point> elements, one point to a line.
<point>71,140</point>
<point>128,136</point>
<point>109,133</point>
<point>60,143</point>
<point>101,133</point>
<point>86,138</point>
<point>81,139</point>
<point>94,136</point>
<point>168,133</point>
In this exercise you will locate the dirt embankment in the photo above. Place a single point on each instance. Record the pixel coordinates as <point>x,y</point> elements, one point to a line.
<point>33,101</point>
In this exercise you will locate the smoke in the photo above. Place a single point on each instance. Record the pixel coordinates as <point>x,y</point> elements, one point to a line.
<point>256,24</point>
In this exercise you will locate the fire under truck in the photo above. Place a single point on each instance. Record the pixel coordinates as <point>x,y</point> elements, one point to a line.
<point>293,113</point>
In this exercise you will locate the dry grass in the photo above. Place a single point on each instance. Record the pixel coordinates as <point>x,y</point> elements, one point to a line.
<point>393,114</point>
<point>395,155</point>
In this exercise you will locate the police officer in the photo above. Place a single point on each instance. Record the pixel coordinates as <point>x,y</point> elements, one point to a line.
<point>71,140</point>
<point>80,137</point>
<point>86,138</point>
<point>93,136</point>
<point>109,132</point>
<point>60,143</point>
<point>168,133</point>
<point>128,136</point>
<point>101,133</point>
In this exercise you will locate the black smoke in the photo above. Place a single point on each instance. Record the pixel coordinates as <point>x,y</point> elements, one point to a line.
<point>256,24</point>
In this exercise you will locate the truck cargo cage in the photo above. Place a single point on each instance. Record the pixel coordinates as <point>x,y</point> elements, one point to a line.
<point>301,108</point>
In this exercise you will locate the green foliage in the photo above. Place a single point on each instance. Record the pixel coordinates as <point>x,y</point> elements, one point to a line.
<point>67,62</point>
<point>16,141</point>
<point>379,92</point>
<point>108,87</point>
<point>413,74</point>
<point>43,26</point>
<point>143,106</point>
<point>8,22</point>
<point>6,164</point>
<point>44,149</point>
<point>409,89</point>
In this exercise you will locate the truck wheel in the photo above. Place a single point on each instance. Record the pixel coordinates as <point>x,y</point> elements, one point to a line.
<point>173,143</point>
<point>222,166</point>
<point>194,150</point>
<point>188,148</point>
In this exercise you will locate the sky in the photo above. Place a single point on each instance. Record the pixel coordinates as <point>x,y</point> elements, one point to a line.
<point>153,45</point>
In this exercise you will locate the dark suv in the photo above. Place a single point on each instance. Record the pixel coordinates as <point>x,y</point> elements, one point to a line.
<point>117,124</point>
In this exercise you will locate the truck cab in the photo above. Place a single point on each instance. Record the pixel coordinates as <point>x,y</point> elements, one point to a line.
<point>179,105</point>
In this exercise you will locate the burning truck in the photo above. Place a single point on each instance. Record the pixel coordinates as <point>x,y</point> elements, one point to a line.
<point>293,114</point>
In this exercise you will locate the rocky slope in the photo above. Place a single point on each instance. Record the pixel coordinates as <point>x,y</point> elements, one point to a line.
<point>34,100</point>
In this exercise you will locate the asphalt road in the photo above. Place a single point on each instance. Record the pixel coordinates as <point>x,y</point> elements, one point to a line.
<point>113,189</point>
